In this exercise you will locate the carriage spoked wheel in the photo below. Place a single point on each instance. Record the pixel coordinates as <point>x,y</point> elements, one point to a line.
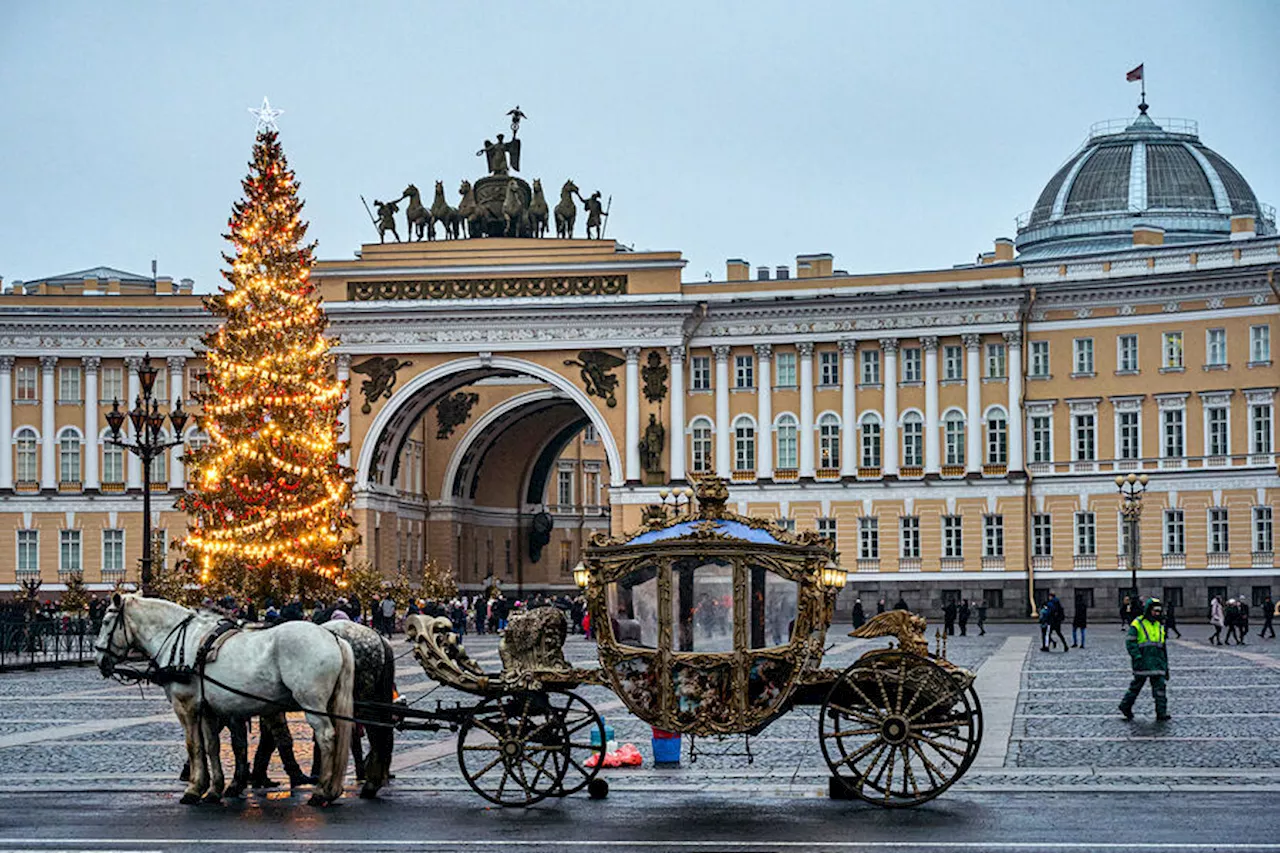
<point>577,721</point>
<point>511,749</point>
<point>897,729</point>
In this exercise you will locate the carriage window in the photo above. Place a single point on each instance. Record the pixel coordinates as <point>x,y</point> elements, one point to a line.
<point>633,603</point>
<point>773,608</point>
<point>702,606</point>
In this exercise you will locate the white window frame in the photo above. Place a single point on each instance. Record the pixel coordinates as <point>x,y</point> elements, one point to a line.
<point>1175,531</point>
<point>700,373</point>
<point>1215,347</point>
<point>70,551</point>
<point>1219,530</point>
<point>784,365</point>
<point>71,448</point>
<point>1082,357</point>
<point>870,441</point>
<point>909,536</point>
<point>954,440</point>
<point>997,361</point>
<point>953,363</point>
<point>744,371</point>
<point>26,383</point>
<point>26,444</point>
<point>1077,424</point>
<point>1210,432</point>
<point>1263,530</point>
<point>913,440</point>
<point>997,424</point>
<point>109,452</point>
<point>827,528</point>
<point>786,442</point>
<point>1039,354</point>
<point>912,365</point>
<point>1173,354</point>
<point>111,385</point>
<point>1086,524</point>
<point>953,536</point>
<point>1260,344</point>
<point>113,550</point>
<point>27,554</point>
<point>828,368</point>
<point>1120,416</point>
<point>1041,436</point>
<point>1127,354</point>
<point>1171,417</point>
<point>868,538</point>
<point>870,362</point>
<point>744,443</point>
<point>829,440</point>
<point>701,445</point>
<point>993,535</point>
<point>1041,534</point>
<point>1262,424</point>
<point>70,384</point>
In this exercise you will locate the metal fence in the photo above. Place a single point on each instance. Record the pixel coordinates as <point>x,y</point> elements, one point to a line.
<point>41,643</point>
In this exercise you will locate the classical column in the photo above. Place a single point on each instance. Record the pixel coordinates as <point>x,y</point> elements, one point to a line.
<point>344,417</point>
<point>848,411</point>
<point>806,409</point>
<point>932,440</point>
<point>1013,341</point>
<point>973,400</point>
<point>633,413</point>
<point>6,422</point>
<point>676,438</point>
<point>91,363</point>
<point>177,476</point>
<point>724,450</point>
<point>48,426</point>
<point>764,410</point>
<point>889,447</point>
<point>133,465</point>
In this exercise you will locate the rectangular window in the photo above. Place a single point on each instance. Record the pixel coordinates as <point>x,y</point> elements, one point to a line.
<point>1086,534</point>
<point>1039,358</point>
<point>1175,540</point>
<point>1086,445</point>
<point>1041,438</point>
<point>1130,435</point>
<point>870,367</point>
<point>159,547</point>
<point>744,447</point>
<point>744,371</point>
<point>1260,428</point>
<point>566,557</point>
<point>1218,592</point>
<point>827,528</point>
<point>1042,534</point>
<point>869,538</point>
<point>26,382</point>
<point>1219,532</point>
<point>953,362</point>
<point>112,385</point>
<point>700,373</point>
<point>787,524</point>
<point>1083,349</point>
<point>1173,433</point>
<point>564,487</point>
<point>160,389</point>
<point>1216,347</point>
<point>1263,540</point>
<point>112,551</point>
<point>952,537</point>
<point>589,434</point>
<point>995,361</point>
<point>1172,596</point>
<point>828,367</point>
<point>1217,439</point>
<point>112,464</point>
<point>1172,350</point>
<point>909,528</point>
<point>701,447</point>
<point>1259,344</point>
<point>197,378</point>
<point>911,369</point>
<point>68,550</point>
<point>993,598</point>
<point>1127,354</point>
<point>993,535</point>
<point>28,551</point>
<point>68,384</point>
<point>785,364</point>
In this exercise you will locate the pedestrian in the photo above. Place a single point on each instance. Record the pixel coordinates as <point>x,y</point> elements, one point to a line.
<point>1171,619</point>
<point>963,617</point>
<point>1045,639</point>
<point>858,616</point>
<point>1268,616</point>
<point>1217,618</point>
<point>482,610</point>
<point>1080,621</point>
<point>901,603</point>
<point>949,618</point>
<point>880,607</point>
<point>1149,656</point>
<point>1242,620</point>
<point>1057,615</point>
<point>1233,621</point>
<point>388,615</point>
<point>1128,611</point>
<point>982,618</point>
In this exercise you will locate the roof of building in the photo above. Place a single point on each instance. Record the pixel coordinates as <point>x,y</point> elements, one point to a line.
<point>99,273</point>
<point>1140,172</point>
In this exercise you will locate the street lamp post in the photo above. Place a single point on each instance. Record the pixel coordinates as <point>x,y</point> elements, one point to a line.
<point>148,443</point>
<point>1131,489</point>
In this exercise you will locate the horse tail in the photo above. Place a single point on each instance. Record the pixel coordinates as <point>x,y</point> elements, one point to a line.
<point>381,738</point>
<point>341,709</point>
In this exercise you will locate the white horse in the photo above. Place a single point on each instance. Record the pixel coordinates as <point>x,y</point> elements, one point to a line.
<point>296,665</point>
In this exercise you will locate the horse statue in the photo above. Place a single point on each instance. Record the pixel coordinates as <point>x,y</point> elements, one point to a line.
<point>513,212</point>
<point>566,210</point>
<point>296,665</point>
<point>446,215</point>
<point>469,210</point>
<point>538,211</point>
<point>417,216</point>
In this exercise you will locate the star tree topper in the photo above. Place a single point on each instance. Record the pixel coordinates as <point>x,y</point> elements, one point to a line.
<point>266,116</point>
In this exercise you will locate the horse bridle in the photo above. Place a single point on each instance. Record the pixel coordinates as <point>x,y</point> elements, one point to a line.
<point>109,655</point>
<point>112,657</point>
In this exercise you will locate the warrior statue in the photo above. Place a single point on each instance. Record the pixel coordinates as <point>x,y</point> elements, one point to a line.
<point>496,155</point>
<point>655,436</point>
<point>595,214</point>
<point>386,219</point>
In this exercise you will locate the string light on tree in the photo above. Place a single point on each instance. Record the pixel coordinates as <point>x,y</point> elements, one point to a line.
<point>268,501</point>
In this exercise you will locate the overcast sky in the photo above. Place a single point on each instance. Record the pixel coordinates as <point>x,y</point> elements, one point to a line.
<point>894,135</point>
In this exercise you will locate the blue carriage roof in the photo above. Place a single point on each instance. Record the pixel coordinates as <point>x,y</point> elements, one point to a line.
<point>726,528</point>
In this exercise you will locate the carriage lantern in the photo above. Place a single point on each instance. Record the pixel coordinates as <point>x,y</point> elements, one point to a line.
<point>834,577</point>
<point>581,576</point>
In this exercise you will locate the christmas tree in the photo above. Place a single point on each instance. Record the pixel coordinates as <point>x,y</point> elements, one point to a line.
<point>267,499</point>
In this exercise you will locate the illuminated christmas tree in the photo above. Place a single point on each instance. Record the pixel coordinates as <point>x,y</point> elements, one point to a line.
<point>268,501</point>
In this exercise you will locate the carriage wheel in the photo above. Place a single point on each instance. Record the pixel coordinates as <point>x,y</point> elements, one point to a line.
<point>898,730</point>
<point>576,722</point>
<point>511,749</point>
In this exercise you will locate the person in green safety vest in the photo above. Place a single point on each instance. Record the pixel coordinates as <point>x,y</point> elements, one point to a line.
<point>1146,646</point>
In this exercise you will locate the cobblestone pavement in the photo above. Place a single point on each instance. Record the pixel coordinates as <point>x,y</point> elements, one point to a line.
<point>69,730</point>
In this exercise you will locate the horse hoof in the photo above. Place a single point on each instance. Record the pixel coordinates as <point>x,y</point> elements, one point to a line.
<point>189,799</point>
<point>211,799</point>
<point>319,801</point>
<point>234,792</point>
<point>368,792</point>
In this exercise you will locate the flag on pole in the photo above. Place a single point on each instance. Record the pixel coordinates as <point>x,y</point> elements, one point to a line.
<point>1135,74</point>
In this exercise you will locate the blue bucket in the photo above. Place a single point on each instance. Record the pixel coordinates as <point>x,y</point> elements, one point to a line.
<point>666,751</point>
<point>595,734</point>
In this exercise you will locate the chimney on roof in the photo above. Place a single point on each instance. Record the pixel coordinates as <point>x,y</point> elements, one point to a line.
<point>762,273</point>
<point>813,266</point>
<point>1243,226</point>
<point>738,270</point>
<point>784,272</point>
<point>1004,249</point>
<point>186,285</point>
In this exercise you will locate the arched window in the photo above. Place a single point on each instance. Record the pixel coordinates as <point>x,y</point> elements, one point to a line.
<point>744,444</point>
<point>912,440</point>
<point>997,438</point>
<point>25,444</point>
<point>700,432</point>
<point>112,463</point>
<point>69,457</point>
<point>870,441</point>
<point>829,441</point>
<point>953,429</point>
<point>786,446</point>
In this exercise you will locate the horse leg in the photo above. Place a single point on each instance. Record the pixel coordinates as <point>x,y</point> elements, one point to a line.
<point>198,778</point>
<point>240,751</point>
<point>326,744</point>
<point>211,727</point>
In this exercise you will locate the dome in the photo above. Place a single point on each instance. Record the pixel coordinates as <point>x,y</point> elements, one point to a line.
<point>1140,172</point>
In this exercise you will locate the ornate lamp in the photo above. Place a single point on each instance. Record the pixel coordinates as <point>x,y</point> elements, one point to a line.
<point>115,419</point>
<point>581,576</point>
<point>147,375</point>
<point>833,576</point>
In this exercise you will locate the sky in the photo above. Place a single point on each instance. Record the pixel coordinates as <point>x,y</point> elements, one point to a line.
<point>895,135</point>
